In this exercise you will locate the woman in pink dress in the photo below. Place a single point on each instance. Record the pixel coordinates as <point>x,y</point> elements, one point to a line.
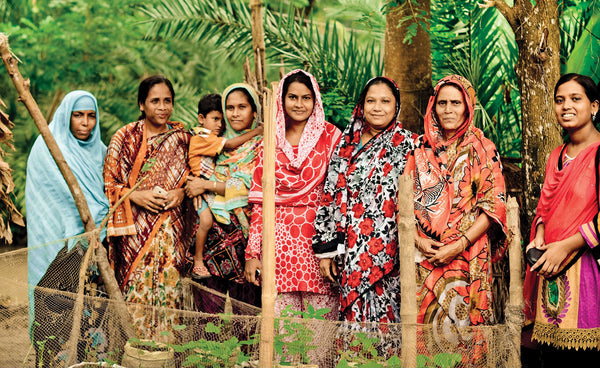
<point>305,143</point>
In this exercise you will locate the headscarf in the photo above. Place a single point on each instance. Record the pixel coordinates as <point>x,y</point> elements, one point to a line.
<point>295,176</point>
<point>51,211</point>
<point>312,131</point>
<point>481,187</point>
<point>229,131</point>
<point>235,167</point>
<point>357,214</point>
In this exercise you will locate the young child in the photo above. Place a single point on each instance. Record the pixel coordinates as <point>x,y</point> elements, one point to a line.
<point>206,143</point>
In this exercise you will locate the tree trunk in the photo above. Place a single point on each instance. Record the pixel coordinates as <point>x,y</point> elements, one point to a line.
<point>413,74</point>
<point>538,39</point>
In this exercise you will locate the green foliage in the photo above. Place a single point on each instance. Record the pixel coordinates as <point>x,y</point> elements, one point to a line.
<point>341,60</point>
<point>294,338</point>
<point>582,53</point>
<point>479,44</point>
<point>441,360</point>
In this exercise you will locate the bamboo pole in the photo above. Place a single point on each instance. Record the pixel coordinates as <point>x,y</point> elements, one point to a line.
<point>269,290</point>
<point>514,314</point>
<point>258,43</point>
<point>112,287</point>
<point>408,281</point>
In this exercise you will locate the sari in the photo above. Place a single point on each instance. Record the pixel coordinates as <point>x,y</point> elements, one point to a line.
<point>564,309</point>
<point>234,168</point>
<point>457,180</point>
<point>299,179</point>
<point>356,219</point>
<point>147,250</point>
<point>52,216</point>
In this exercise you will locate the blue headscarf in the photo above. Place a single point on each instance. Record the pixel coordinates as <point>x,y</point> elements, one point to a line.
<point>51,211</point>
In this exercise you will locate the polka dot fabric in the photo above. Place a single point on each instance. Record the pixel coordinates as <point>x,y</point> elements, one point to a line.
<point>296,266</point>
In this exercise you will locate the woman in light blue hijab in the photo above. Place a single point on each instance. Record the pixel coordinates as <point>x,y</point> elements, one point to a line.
<point>51,211</point>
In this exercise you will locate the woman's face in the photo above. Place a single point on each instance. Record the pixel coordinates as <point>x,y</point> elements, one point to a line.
<point>450,108</point>
<point>82,123</point>
<point>239,111</point>
<point>572,106</point>
<point>380,106</point>
<point>298,102</point>
<point>158,105</point>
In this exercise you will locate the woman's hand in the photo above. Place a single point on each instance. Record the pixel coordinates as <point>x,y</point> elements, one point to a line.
<point>194,186</point>
<point>149,200</point>
<point>250,271</point>
<point>549,263</point>
<point>428,247</point>
<point>174,198</point>
<point>328,269</point>
<point>447,253</point>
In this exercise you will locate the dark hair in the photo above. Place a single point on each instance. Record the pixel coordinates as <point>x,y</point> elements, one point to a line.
<point>299,77</point>
<point>147,84</point>
<point>210,102</point>
<point>590,88</point>
<point>380,80</point>
<point>248,97</point>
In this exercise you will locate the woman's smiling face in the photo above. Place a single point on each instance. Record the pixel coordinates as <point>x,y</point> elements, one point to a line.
<point>572,107</point>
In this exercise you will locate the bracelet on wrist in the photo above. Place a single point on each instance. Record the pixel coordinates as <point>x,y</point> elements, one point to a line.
<point>468,244</point>
<point>214,186</point>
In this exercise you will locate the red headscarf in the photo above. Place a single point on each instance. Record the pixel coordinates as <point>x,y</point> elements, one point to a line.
<point>296,176</point>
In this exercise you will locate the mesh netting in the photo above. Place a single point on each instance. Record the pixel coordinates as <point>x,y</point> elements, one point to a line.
<point>204,340</point>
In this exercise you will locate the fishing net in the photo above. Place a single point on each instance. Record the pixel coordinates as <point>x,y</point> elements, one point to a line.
<point>42,325</point>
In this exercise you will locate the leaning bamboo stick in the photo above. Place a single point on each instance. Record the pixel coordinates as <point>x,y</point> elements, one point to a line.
<point>514,319</point>
<point>22,86</point>
<point>269,290</point>
<point>408,286</point>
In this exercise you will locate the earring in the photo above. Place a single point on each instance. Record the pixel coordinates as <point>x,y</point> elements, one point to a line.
<point>594,116</point>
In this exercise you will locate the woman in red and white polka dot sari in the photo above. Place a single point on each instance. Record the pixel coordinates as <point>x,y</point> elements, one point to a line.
<point>305,143</point>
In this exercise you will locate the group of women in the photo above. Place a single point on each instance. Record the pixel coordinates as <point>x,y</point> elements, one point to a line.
<point>336,196</point>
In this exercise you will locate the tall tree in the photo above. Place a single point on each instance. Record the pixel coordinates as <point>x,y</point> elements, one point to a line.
<point>537,34</point>
<point>407,33</point>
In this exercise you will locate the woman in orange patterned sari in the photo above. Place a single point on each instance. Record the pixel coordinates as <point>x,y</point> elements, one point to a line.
<point>460,210</point>
<point>152,228</point>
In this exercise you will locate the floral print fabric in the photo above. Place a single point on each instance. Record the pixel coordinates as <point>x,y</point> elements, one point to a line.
<point>357,215</point>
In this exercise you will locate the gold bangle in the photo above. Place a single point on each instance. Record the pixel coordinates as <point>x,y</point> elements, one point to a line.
<point>214,186</point>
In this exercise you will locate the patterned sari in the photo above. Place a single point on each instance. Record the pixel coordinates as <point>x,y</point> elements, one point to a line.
<point>457,180</point>
<point>357,216</point>
<point>235,169</point>
<point>147,249</point>
<point>565,309</point>
<point>299,179</point>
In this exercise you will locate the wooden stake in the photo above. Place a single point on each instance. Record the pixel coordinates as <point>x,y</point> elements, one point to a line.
<point>112,287</point>
<point>516,284</point>
<point>269,289</point>
<point>258,43</point>
<point>408,278</point>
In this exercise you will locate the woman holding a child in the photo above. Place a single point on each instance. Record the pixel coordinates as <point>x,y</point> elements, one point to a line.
<point>230,183</point>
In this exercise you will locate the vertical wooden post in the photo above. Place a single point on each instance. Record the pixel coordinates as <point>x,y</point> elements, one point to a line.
<point>258,43</point>
<point>269,290</point>
<point>514,318</point>
<point>408,278</point>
